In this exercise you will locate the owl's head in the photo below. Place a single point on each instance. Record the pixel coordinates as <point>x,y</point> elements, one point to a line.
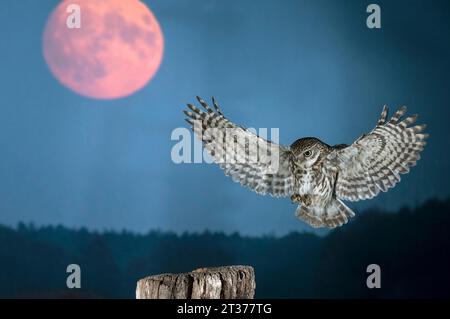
<point>308,151</point>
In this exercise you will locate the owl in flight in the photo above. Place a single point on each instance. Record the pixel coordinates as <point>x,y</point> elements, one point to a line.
<point>313,174</point>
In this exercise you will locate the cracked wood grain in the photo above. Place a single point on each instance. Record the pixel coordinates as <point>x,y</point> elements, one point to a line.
<point>228,282</point>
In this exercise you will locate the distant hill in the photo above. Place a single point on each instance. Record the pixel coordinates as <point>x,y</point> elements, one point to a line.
<point>411,246</point>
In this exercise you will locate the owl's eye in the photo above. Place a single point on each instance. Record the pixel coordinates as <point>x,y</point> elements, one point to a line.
<point>307,153</point>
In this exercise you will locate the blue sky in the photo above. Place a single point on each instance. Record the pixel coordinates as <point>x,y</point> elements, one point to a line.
<point>310,68</point>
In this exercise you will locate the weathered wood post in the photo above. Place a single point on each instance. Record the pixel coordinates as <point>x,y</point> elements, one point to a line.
<point>229,282</point>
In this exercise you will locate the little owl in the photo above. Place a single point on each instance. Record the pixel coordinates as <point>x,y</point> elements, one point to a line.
<point>312,173</point>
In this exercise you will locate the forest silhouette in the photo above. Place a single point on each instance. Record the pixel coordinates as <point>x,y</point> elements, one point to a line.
<point>412,247</point>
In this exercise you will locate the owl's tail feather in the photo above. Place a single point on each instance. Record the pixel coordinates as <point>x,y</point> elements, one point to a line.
<point>334,214</point>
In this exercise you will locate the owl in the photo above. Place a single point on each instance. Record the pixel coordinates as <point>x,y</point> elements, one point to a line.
<point>316,176</point>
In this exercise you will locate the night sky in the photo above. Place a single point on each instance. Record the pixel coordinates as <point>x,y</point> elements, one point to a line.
<point>309,68</point>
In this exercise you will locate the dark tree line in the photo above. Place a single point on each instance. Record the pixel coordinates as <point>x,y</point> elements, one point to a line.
<point>411,246</point>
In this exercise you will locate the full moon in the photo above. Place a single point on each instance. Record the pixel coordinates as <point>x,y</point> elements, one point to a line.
<point>114,51</point>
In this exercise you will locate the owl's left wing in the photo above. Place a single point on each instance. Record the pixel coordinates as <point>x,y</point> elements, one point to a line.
<point>374,162</point>
<point>250,160</point>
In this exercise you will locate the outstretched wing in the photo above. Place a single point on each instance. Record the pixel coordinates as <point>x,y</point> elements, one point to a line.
<point>374,162</point>
<point>261,165</point>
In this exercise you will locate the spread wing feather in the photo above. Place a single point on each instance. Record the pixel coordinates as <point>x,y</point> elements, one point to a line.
<point>261,165</point>
<point>374,162</point>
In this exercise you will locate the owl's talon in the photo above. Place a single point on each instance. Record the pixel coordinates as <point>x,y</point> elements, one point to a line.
<point>306,200</point>
<point>296,198</point>
<point>301,199</point>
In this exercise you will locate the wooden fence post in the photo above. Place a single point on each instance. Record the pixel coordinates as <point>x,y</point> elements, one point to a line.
<point>229,282</point>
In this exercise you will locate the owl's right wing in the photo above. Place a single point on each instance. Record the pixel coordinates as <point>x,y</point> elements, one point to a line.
<point>261,165</point>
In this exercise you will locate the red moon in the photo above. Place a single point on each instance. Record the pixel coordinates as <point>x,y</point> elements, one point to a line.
<point>115,52</point>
